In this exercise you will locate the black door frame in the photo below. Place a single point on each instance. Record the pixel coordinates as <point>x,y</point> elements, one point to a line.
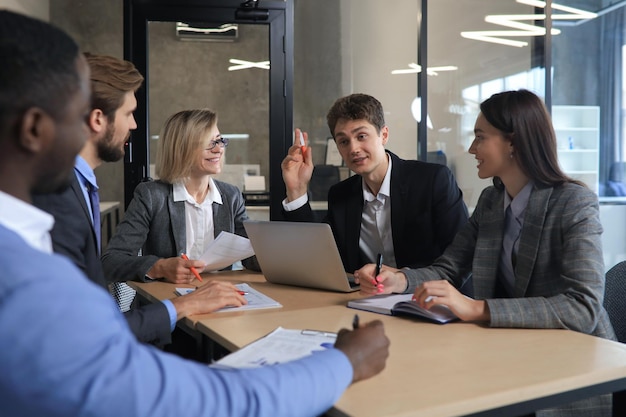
<point>137,15</point>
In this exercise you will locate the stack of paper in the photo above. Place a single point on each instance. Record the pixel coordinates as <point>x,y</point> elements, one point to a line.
<point>280,346</point>
<point>225,250</point>
<point>255,298</point>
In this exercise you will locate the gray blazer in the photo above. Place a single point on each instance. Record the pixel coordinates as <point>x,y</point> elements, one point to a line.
<point>559,276</point>
<point>155,224</point>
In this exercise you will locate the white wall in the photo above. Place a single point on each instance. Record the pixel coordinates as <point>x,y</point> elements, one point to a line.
<point>35,8</point>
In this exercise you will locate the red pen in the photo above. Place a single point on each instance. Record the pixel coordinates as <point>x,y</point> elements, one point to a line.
<point>302,145</point>
<point>193,269</point>
<point>242,292</point>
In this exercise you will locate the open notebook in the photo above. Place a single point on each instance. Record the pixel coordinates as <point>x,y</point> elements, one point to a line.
<point>301,254</point>
<point>401,304</point>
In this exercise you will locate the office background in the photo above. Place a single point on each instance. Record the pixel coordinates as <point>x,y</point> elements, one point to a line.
<point>345,46</point>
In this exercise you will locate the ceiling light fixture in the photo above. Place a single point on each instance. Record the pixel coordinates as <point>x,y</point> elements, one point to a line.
<point>414,69</point>
<point>524,29</point>
<point>241,64</point>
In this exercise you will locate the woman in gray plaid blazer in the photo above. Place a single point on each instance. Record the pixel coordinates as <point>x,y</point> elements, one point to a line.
<point>532,243</point>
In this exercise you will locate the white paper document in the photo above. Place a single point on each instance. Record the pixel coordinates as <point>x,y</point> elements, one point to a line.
<point>256,299</point>
<point>225,250</point>
<point>280,346</point>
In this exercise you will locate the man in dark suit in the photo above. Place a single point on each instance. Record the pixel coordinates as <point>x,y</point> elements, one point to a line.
<point>407,211</point>
<point>76,229</point>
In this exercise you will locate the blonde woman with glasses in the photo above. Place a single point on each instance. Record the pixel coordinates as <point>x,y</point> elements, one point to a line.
<point>181,212</point>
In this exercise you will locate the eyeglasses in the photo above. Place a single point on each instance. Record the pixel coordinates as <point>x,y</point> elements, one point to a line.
<point>223,142</point>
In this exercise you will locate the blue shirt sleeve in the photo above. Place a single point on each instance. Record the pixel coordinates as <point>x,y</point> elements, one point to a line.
<point>171,310</point>
<point>71,353</point>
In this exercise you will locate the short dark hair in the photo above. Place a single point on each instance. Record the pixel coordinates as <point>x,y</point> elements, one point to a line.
<point>38,67</point>
<point>356,107</point>
<point>111,78</point>
<point>523,119</point>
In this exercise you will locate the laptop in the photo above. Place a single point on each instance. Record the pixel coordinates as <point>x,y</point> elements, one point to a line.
<point>300,254</point>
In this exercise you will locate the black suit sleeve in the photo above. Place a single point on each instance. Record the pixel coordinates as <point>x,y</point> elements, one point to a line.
<point>150,323</point>
<point>449,210</point>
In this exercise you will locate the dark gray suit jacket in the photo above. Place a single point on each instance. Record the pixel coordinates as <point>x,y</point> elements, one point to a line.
<point>559,275</point>
<point>427,210</point>
<point>73,235</point>
<point>155,224</point>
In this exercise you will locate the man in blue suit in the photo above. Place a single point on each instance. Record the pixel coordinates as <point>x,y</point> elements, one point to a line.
<point>65,348</point>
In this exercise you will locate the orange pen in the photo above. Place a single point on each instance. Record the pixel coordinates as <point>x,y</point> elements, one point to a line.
<point>193,269</point>
<point>302,145</point>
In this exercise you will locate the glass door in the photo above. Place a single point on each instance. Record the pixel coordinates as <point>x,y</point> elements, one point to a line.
<point>229,56</point>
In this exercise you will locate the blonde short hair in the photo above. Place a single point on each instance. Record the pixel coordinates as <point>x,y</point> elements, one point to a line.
<point>182,136</point>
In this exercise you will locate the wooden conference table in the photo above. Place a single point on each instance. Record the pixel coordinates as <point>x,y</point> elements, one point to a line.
<point>457,369</point>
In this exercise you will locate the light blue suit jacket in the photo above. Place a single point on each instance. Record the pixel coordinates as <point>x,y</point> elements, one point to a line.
<point>155,224</point>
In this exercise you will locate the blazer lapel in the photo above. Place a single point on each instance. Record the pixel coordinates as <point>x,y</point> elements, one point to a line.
<point>78,191</point>
<point>177,222</point>
<point>80,197</point>
<point>399,197</point>
<point>489,245</point>
<point>534,219</point>
<point>352,221</point>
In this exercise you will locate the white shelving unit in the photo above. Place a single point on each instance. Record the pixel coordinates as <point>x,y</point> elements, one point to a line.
<point>578,137</point>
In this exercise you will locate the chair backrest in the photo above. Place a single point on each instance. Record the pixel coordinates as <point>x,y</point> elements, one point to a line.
<point>436,157</point>
<point>617,172</point>
<point>615,299</point>
<point>324,176</point>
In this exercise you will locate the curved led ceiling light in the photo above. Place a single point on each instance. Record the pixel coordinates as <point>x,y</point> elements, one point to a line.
<point>524,29</point>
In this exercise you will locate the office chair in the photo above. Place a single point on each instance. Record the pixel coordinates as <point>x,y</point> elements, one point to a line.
<point>615,299</point>
<point>615,185</point>
<point>615,305</point>
<point>436,157</point>
<point>324,176</point>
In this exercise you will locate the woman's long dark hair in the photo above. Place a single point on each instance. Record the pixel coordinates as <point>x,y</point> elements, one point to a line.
<point>524,120</point>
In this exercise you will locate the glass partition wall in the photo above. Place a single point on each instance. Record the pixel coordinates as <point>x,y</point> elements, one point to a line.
<point>473,48</point>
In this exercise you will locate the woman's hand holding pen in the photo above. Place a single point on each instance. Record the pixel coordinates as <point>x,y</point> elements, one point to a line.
<point>367,348</point>
<point>389,280</point>
<point>297,166</point>
<point>208,298</point>
<point>176,270</point>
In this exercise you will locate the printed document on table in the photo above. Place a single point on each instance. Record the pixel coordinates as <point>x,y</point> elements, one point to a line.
<point>225,250</point>
<point>256,299</point>
<point>280,346</point>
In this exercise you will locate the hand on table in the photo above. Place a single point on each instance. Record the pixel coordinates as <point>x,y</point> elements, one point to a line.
<point>367,348</point>
<point>432,293</point>
<point>389,280</point>
<point>208,298</point>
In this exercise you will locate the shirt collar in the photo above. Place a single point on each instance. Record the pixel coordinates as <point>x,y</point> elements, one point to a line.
<point>32,224</point>
<point>519,203</point>
<point>385,188</point>
<point>180,193</point>
<point>86,173</point>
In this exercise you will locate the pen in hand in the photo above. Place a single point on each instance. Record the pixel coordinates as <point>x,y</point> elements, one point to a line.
<point>194,271</point>
<point>355,322</point>
<point>302,145</point>
<point>379,265</point>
